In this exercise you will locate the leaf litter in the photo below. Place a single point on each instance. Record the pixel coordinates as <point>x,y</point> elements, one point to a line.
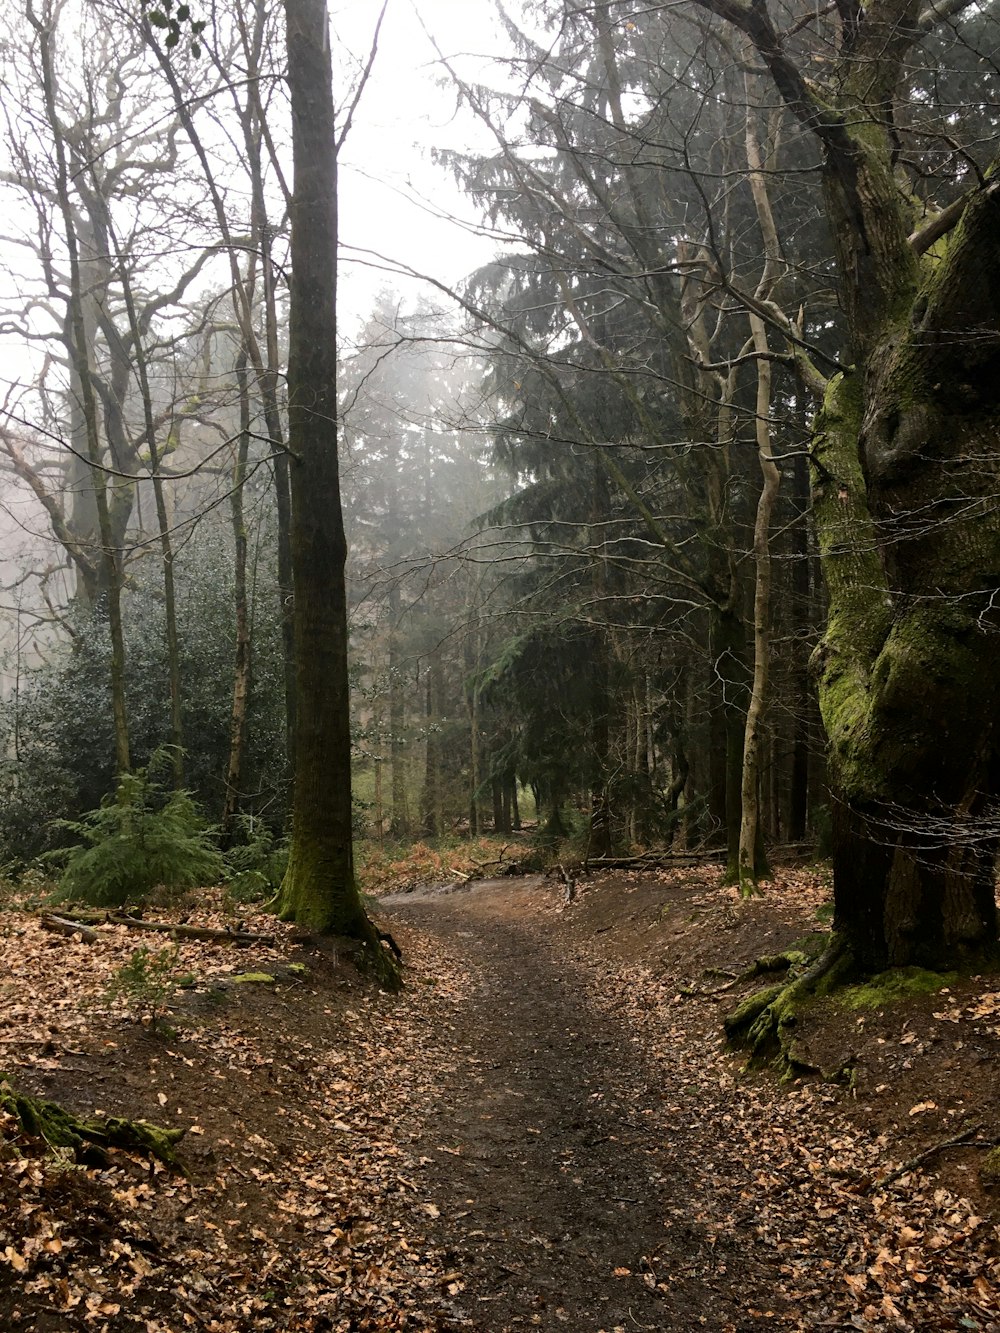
<point>358,1161</point>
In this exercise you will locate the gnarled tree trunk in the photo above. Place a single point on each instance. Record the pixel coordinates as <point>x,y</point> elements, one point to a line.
<point>906,471</point>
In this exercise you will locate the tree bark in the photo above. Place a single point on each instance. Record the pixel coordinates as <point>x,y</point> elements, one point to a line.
<point>397,721</point>
<point>319,889</point>
<point>909,684</point>
<point>242,664</point>
<point>906,461</point>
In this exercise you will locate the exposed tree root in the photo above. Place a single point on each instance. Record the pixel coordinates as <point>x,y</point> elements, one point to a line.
<point>765,1022</point>
<point>956,1140</point>
<point>381,964</point>
<point>380,956</point>
<point>774,962</point>
<point>394,949</point>
<point>89,1138</point>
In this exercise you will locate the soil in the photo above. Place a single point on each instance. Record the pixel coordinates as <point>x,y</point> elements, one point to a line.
<point>544,1130</point>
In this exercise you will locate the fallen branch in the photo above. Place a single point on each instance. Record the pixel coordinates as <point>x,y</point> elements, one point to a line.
<point>963,1138</point>
<point>652,859</point>
<point>180,932</point>
<point>497,861</point>
<point>63,926</point>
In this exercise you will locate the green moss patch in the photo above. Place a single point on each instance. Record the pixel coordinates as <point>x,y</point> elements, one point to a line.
<point>891,987</point>
<point>811,945</point>
<point>990,1171</point>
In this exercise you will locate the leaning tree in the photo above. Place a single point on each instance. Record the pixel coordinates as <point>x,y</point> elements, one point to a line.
<point>905,453</point>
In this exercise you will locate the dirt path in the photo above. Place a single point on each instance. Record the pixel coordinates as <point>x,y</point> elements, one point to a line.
<point>570,1201</point>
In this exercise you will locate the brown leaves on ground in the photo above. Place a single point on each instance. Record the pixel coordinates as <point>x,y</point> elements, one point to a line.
<point>325,1188</point>
<point>302,1211</point>
<point>801,1168</point>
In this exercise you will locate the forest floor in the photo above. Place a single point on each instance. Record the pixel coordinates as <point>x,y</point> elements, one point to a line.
<point>543,1130</point>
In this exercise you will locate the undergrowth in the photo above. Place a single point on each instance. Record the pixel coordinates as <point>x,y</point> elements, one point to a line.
<point>391,866</point>
<point>138,839</point>
<point>146,983</point>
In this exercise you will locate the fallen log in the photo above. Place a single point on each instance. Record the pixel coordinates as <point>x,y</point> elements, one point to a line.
<point>63,926</point>
<point>183,932</point>
<point>645,859</point>
<point>89,1138</point>
<point>240,938</point>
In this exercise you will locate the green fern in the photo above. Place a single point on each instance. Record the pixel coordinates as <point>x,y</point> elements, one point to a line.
<point>139,839</point>
<point>255,865</point>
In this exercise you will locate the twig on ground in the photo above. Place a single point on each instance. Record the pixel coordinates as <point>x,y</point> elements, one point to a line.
<point>925,1156</point>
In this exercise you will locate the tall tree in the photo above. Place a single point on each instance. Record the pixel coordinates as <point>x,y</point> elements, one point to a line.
<point>319,889</point>
<point>620,369</point>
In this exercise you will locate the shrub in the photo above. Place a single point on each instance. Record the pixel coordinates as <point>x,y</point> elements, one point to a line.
<point>135,841</point>
<point>56,734</point>
<point>254,866</point>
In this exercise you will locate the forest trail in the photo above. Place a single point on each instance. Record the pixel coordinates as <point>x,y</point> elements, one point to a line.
<point>588,1186</point>
<point>587,1189</point>
<point>602,1164</point>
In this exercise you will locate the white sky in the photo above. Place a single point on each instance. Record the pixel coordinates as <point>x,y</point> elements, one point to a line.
<point>386,167</point>
<point>386,171</point>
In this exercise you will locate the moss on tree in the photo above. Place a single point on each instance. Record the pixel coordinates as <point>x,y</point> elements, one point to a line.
<point>765,1023</point>
<point>891,987</point>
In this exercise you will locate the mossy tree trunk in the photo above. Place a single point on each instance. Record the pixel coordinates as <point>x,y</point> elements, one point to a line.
<point>319,890</point>
<point>910,684</point>
<point>907,455</point>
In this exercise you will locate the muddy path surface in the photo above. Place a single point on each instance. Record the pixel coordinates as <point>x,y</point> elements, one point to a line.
<point>580,1184</point>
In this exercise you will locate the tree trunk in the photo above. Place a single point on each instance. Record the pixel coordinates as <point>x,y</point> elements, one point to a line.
<point>906,458</point>
<point>729,685</point>
<point>431,805</point>
<point>397,722</point>
<point>751,836</point>
<point>802,693</point>
<point>319,889</point>
<point>907,464</point>
<point>242,662</point>
<point>501,805</point>
<point>111,552</point>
